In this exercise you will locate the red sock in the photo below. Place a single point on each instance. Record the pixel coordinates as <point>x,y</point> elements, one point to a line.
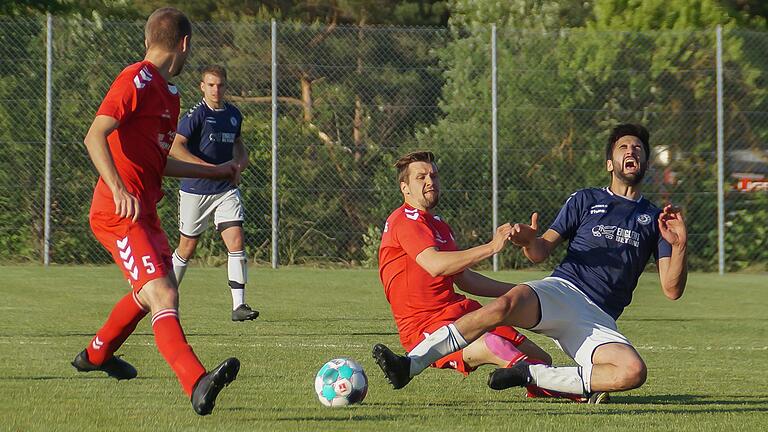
<point>172,344</point>
<point>121,322</point>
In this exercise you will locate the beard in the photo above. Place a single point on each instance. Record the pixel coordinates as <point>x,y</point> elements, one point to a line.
<point>430,203</point>
<point>631,179</point>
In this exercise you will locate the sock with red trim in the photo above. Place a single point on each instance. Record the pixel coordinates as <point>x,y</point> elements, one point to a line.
<point>173,345</point>
<point>120,324</point>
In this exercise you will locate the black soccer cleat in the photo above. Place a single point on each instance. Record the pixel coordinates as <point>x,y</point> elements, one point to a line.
<point>599,397</point>
<point>516,376</point>
<point>114,366</point>
<point>244,313</point>
<point>209,385</point>
<point>397,369</point>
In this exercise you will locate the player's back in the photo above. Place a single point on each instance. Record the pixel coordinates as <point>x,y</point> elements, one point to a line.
<point>146,107</point>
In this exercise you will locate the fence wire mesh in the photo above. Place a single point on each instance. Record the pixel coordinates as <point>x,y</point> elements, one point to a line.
<point>352,99</point>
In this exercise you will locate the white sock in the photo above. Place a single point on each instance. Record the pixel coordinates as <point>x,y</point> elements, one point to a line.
<point>179,267</point>
<point>443,341</point>
<point>562,379</point>
<point>237,273</point>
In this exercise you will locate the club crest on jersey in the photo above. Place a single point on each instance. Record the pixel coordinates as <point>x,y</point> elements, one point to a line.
<point>644,219</point>
<point>233,121</point>
<point>172,89</point>
<point>412,214</point>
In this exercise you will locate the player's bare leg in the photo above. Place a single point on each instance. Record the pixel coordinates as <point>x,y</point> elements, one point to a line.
<point>182,255</point>
<point>237,270</point>
<point>161,297</point>
<point>617,367</point>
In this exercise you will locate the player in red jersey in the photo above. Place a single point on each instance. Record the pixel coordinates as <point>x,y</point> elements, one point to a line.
<point>128,142</point>
<point>419,263</point>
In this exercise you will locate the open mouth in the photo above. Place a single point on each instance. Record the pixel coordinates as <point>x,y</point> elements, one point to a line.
<point>631,165</point>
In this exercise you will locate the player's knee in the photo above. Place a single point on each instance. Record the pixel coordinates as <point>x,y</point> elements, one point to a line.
<point>633,374</point>
<point>186,247</point>
<point>159,294</point>
<point>499,310</point>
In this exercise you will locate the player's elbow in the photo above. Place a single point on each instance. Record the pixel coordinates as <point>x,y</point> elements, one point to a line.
<point>673,292</point>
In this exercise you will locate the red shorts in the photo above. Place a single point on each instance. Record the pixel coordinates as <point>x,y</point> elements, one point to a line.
<point>451,314</point>
<point>139,248</point>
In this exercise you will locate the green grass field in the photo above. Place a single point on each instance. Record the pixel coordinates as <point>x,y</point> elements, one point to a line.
<point>707,356</point>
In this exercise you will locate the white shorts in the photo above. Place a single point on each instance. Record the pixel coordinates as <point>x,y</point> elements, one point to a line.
<point>575,322</point>
<point>195,211</point>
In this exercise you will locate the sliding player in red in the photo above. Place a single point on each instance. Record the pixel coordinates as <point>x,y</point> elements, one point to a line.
<point>419,264</point>
<point>128,143</point>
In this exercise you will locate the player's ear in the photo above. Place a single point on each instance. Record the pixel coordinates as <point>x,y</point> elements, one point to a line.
<point>404,188</point>
<point>609,166</point>
<point>185,43</point>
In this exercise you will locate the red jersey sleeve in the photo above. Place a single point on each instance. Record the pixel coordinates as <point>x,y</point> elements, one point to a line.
<point>122,99</point>
<point>414,236</point>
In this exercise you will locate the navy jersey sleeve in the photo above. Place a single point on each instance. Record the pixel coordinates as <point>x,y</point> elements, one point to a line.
<point>190,122</point>
<point>663,249</point>
<point>567,221</point>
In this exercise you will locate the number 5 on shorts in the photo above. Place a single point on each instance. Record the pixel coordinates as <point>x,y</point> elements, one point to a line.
<point>148,264</point>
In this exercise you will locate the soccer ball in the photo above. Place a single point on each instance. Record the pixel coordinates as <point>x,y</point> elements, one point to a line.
<point>341,382</point>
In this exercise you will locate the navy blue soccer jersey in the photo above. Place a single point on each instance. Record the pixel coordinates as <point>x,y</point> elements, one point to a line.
<point>610,239</point>
<point>211,135</point>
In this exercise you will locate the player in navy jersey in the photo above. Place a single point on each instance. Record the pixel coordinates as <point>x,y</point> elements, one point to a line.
<point>209,133</point>
<point>612,232</point>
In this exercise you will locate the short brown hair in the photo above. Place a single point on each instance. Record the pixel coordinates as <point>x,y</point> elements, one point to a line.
<point>404,161</point>
<point>215,70</point>
<point>623,130</point>
<point>166,27</point>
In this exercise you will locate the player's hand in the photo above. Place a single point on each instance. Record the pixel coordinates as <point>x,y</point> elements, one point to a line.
<point>228,171</point>
<point>126,205</point>
<point>501,237</point>
<point>522,235</point>
<point>672,226</point>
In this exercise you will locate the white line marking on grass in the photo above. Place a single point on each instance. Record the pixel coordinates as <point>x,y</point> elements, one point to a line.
<point>11,340</point>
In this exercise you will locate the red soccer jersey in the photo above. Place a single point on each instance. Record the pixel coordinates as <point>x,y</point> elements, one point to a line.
<point>147,108</point>
<point>414,295</point>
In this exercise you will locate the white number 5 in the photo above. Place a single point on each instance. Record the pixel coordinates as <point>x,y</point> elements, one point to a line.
<point>147,264</point>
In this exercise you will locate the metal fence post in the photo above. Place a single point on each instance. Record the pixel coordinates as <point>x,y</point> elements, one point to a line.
<point>720,156</point>
<point>275,233</point>
<point>494,143</point>
<point>48,135</point>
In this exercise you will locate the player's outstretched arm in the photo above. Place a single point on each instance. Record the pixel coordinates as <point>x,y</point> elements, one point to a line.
<point>673,270</point>
<point>177,168</point>
<point>126,205</point>
<point>444,263</point>
<point>474,283</point>
<point>179,151</point>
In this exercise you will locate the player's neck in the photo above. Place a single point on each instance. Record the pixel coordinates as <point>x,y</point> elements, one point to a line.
<point>163,61</point>
<point>213,105</point>
<point>415,205</point>
<point>622,189</point>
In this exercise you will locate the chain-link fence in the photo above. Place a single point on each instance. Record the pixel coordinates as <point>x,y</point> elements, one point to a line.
<point>351,100</point>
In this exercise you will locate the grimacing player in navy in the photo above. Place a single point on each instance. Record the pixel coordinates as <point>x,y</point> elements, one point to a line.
<point>209,134</point>
<point>612,232</point>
